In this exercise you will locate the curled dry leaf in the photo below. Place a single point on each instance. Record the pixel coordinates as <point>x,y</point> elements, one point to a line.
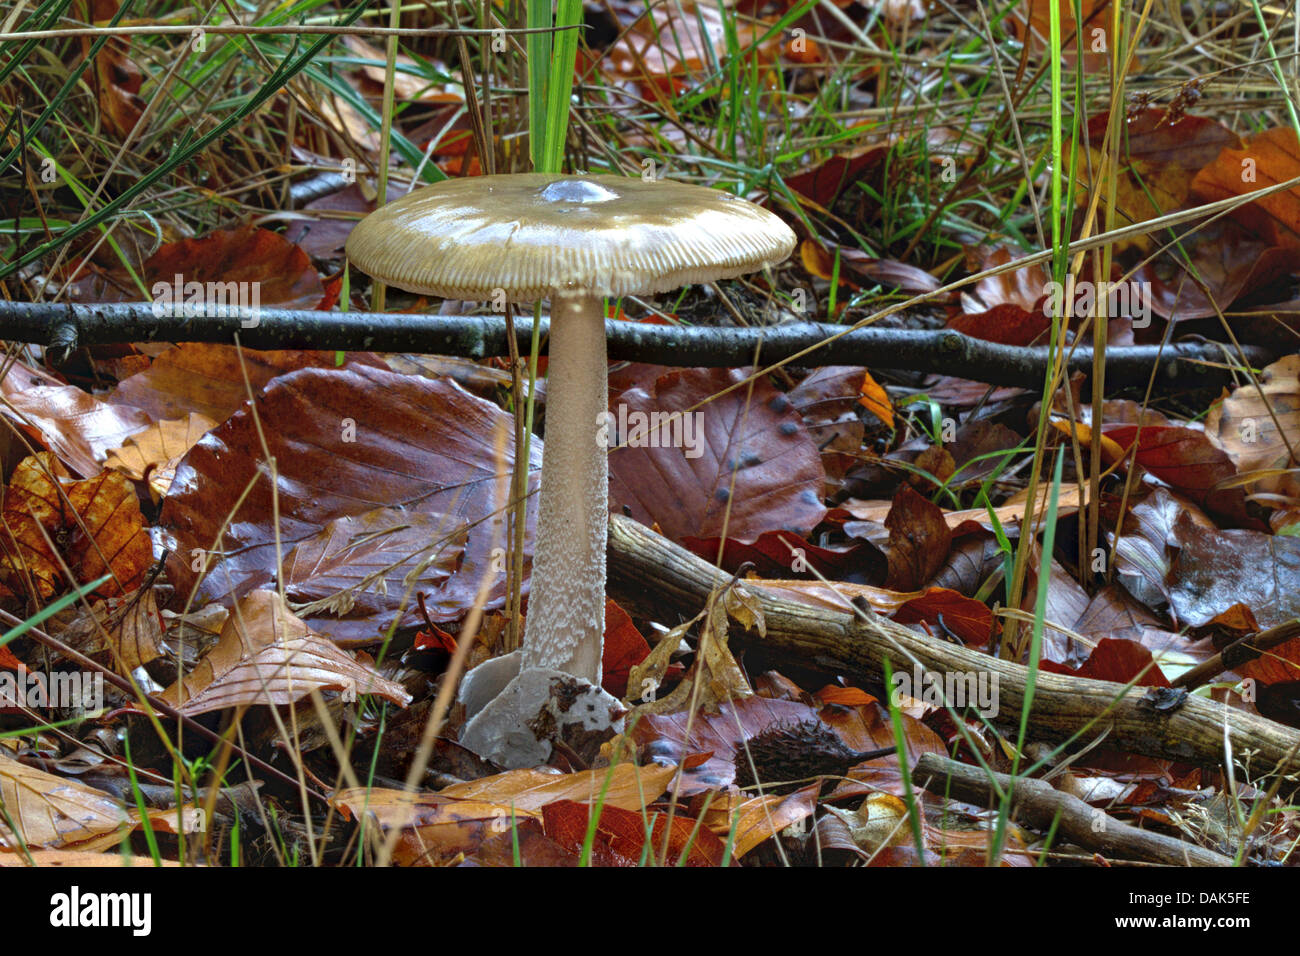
<point>50,811</point>
<point>123,633</point>
<point>1259,428</point>
<point>266,655</point>
<point>750,821</point>
<point>715,670</point>
<point>154,453</point>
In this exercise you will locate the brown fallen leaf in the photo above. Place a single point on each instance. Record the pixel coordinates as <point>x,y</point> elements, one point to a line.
<point>266,655</point>
<point>1246,426</point>
<point>95,524</point>
<point>744,459</point>
<point>50,811</point>
<point>77,427</point>
<point>154,453</point>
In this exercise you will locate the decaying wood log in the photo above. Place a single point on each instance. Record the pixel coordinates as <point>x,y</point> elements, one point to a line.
<point>651,574</point>
<point>1037,803</point>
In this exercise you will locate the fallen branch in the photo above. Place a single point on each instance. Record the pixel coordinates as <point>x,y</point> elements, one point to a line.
<point>64,328</point>
<point>1039,804</point>
<point>652,575</point>
<point>1245,649</point>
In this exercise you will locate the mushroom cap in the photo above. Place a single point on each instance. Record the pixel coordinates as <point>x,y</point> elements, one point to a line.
<point>538,234</point>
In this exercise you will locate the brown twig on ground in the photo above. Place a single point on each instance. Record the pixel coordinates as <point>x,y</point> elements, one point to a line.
<point>1238,652</point>
<point>1040,805</point>
<point>64,328</point>
<point>650,574</point>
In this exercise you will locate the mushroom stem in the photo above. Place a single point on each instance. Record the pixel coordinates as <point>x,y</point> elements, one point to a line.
<point>566,604</point>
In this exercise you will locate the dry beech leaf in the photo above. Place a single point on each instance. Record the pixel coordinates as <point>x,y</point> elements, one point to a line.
<point>1031,20</point>
<point>407,86</point>
<point>1245,425</point>
<point>96,522</point>
<point>266,655</point>
<point>82,858</point>
<point>210,379</point>
<point>625,785</point>
<point>1011,510</point>
<point>122,632</point>
<point>757,819</point>
<point>460,818</point>
<point>672,43</point>
<point>51,811</point>
<point>156,451</point>
<point>346,441</point>
<point>117,78</point>
<point>1270,158</point>
<point>77,427</point>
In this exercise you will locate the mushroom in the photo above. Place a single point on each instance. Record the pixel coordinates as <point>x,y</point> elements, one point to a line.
<point>576,240</point>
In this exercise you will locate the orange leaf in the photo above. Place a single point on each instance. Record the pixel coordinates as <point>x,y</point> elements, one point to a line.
<point>1271,157</point>
<point>876,400</point>
<point>815,259</point>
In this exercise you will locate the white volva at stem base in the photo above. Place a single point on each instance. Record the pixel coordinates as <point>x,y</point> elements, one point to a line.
<point>566,604</point>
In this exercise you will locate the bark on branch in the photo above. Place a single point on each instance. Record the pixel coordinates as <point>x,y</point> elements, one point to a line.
<point>652,575</point>
<point>64,328</point>
<point>1039,804</point>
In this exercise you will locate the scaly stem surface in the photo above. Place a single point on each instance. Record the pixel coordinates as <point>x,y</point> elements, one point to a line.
<point>566,603</point>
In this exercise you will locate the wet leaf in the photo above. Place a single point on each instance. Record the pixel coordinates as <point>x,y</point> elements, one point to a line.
<point>77,427</point>
<point>1246,426</point>
<point>262,262</point>
<point>755,467</point>
<point>345,441</point>
<point>50,811</point>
